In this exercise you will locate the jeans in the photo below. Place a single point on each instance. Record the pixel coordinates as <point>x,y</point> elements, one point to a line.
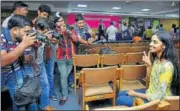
<point>44,98</point>
<point>50,73</point>
<point>27,71</point>
<point>13,81</point>
<point>65,67</point>
<point>71,78</point>
<point>124,99</point>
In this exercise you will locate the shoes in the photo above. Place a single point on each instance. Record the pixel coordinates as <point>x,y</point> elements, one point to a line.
<point>54,97</point>
<point>49,108</point>
<point>62,101</point>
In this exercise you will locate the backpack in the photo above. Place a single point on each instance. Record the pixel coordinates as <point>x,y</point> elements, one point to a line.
<point>30,89</point>
<point>106,51</point>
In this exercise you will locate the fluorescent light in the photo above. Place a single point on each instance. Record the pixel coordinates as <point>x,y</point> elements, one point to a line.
<point>81,5</point>
<point>116,8</point>
<point>145,10</point>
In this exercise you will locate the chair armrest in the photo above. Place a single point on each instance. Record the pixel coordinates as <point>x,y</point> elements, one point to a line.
<point>138,101</point>
<point>163,105</point>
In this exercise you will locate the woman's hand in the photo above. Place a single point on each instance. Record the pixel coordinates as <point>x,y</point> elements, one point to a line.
<point>146,59</point>
<point>131,93</point>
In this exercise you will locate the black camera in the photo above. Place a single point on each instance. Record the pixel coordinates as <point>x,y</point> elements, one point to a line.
<point>39,37</point>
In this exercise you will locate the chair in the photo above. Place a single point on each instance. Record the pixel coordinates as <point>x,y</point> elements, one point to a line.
<point>84,61</point>
<point>133,58</point>
<point>138,49</point>
<point>95,84</point>
<point>112,59</point>
<point>173,101</point>
<point>122,49</point>
<point>153,105</point>
<point>130,76</point>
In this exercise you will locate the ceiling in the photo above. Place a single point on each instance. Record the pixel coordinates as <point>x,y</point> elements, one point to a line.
<point>158,9</point>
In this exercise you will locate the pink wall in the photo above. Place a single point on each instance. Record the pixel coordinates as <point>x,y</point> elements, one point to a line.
<point>93,19</point>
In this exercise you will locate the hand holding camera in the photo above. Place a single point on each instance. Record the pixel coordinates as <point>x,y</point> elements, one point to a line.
<point>28,40</point>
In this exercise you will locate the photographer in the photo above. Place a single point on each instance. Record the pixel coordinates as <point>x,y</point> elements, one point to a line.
<point>42,27</point>
<point>19,8</point>
<point>82,29</point>
<point>65,51</point>
<point>43,11</point>
<point>14,41</point>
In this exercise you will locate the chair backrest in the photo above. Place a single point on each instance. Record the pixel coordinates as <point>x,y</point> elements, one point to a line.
<point>138,49</point>
<point>133,57</point>
<point>93,76</point>
<point>174,102</point>
<point>112,59</point>
<point>153,105</point>
<point>122,49</point>
<point>140,44</point>
<point>132,72</point>
<point>86,60</point>
<point>124,44</point>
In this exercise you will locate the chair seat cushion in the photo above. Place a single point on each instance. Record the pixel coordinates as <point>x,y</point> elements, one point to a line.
<point>135,84</point>
<point>112,108</point>
<point>98,89</point>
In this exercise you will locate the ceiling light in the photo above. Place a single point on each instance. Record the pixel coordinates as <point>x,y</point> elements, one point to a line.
<point>81,5</point>
<point>116,8</point>
<point>145,10</point>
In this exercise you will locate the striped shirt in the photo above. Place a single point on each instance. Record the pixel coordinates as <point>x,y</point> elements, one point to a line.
<point>83,31</point>
<point>8,44</point>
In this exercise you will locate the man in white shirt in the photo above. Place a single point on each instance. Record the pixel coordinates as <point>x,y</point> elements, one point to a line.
<point>19,8</point>
<point>111,31</point>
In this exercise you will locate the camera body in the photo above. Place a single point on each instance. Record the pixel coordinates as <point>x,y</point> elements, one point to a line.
<point>39,37</point>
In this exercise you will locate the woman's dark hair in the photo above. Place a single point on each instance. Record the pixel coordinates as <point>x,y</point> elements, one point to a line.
<point>169,53</point>
<point>45,8</point>
<point>19,21</point>
<point>18,4</point>
<point>79,17</point>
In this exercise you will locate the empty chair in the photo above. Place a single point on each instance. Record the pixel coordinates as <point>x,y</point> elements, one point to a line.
<point>124,44</point>
<point>84,61</point>
<point>122,49</point>
<point>130,76</point>
<point>112,59</point>
<point>95,84</point>
<point>133,58</point>
<point>138,49</point>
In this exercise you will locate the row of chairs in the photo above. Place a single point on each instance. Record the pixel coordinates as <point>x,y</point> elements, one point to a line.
<point>95,81</point>
<point>96,60</point>
<point>126,49</point>
<point>119,45</point>
<point>95,86</point>
<point>168,104</point>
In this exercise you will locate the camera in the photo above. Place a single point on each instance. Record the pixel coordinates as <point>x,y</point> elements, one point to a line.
<point>39,37</point>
